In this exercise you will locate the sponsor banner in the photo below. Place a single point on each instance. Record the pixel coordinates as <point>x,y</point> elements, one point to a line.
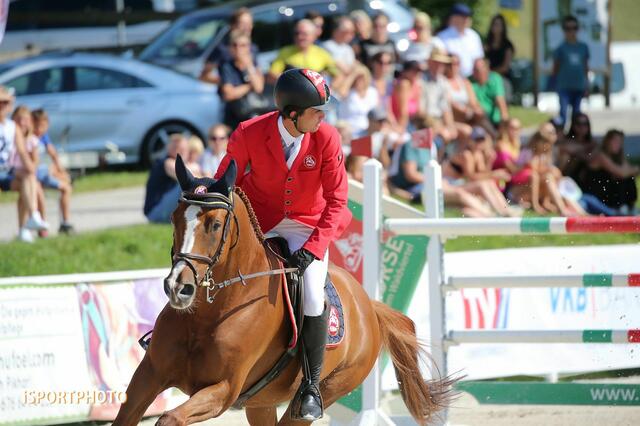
<point>40,350</point>
<point>536,309</point>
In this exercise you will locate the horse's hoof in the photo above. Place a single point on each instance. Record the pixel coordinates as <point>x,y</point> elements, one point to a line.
<point>169,420</point>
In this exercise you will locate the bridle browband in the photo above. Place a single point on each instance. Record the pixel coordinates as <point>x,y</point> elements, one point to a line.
<point>217,201</point>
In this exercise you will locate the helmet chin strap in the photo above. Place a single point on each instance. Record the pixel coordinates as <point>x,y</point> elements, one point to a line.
<point>295,121</point>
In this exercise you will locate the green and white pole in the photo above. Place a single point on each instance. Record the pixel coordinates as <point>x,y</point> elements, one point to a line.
<point>543,281</point>
<point>543,336</point>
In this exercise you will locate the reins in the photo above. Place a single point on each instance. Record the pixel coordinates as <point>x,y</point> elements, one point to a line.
<point>218,201</point>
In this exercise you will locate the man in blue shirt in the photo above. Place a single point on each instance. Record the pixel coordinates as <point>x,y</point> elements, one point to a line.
<point>570,69</point>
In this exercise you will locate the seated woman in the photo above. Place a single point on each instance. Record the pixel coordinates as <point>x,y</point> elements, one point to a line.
<point>541,190</point>
<point>470,168</point>
<point>410,178</point>
<point>360,98</point>
<point>610,177</point>
<point>464,104</point>
<point>406,95</point>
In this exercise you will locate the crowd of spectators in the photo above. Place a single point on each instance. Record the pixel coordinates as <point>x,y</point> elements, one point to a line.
<point>455,83</point>
<point>23,141</point>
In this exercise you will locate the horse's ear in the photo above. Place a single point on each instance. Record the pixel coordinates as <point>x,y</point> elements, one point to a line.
<point>184,176</point>
<point>230,174</point>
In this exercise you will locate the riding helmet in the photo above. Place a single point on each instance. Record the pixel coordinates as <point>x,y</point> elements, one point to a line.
<point>298,89</point>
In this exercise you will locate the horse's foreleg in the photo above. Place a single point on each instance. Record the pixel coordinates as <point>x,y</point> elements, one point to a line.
<point>264,416</point>
<point>203,405</point>
<point>145,385</point>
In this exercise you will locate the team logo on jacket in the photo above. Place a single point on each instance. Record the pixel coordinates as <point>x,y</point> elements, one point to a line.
<point>309,162</point>
<point>334,321</point>
<point>200,189</point>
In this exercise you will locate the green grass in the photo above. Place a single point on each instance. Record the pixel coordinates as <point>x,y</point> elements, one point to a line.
<point>96,181</point>
<point>127,248</point>
<point>528,116</point>
<point>625,20</point>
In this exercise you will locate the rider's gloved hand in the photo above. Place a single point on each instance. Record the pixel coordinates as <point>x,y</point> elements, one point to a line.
<point>301,259</point>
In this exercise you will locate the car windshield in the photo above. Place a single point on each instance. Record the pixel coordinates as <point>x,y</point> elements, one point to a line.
<point>399,15</point>
<point>188,39</point>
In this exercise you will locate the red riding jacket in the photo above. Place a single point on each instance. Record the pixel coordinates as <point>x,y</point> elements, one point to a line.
<point>313,192</point>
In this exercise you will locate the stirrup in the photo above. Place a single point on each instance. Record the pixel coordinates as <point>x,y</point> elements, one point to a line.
<point>306,388</point>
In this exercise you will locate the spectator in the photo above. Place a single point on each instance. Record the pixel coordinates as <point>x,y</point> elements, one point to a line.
<point>318,20</point>
<point>469,167</point>
<point>163,191</point>
<point>339,46</point>
<point>436,100</point>
<point>421,47</point>
<point>363,25</point>
<point>383,138</point>
<point>499,50</point>
<point>55,176</point>
<point>241,22</point>
<point>571,69</point>
<point>459,39</point>
<point>304,54</point>
<point>22,117</point>
<point>217,148</point>
<point>378,42</point>
<point>24,180</point>
<point>489,90</point>
<point>611,178</point>
<point>359,101</point>
<point>406,95</point>
<point>382,77</point>
<point>577,150</point>
<point>241,83</point>
<point>196,149</point>
<point>464,104</point>
<point>410,178</point>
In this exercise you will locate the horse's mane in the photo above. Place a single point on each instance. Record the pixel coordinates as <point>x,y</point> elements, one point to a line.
<point>252,214</point>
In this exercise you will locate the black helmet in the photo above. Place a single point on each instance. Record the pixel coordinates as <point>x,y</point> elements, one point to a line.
<point>298,89</point>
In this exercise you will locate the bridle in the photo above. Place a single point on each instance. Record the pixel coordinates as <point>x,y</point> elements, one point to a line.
<point>214,201</point>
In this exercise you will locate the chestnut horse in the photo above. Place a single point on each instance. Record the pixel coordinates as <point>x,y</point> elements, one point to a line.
<point>213,350</point>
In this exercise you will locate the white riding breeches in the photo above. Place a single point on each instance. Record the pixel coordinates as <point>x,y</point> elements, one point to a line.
<point>315,275</point>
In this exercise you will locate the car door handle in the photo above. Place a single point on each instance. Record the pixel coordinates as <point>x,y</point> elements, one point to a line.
<point>135,102</point>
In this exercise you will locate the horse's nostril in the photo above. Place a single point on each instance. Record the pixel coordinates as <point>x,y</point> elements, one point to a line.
<point>187,290</point>
<point>166,287</point>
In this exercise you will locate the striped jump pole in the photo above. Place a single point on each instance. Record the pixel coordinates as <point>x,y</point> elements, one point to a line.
<point>514,226</point>
<point>543,281</point>
<point>455,337</point>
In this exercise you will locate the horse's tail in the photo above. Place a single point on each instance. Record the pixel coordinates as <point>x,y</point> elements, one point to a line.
<point>422,398</point>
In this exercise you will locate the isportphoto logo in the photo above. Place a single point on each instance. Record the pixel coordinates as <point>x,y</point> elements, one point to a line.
<point>40,397</point>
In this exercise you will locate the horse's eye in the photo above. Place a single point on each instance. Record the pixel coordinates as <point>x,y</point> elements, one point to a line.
<point>216,226</point>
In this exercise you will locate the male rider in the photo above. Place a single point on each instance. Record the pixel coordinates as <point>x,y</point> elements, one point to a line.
<point>297,185</point>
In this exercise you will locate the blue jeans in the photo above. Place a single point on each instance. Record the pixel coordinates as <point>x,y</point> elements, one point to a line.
<point>566,97</point>
<point>592,205</point>
<point>161,212</point>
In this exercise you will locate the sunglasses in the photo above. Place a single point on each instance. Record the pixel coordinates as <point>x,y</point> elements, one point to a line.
<point>571,28</point>
<point>240,44</point>
<point>218,138</point>
<point>582,123</point>
<point>384,62</point>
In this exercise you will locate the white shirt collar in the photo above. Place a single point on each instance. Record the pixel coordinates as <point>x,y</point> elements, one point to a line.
<point>286,136</point>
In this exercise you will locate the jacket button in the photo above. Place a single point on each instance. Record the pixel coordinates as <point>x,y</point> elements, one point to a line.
<point>287,203</point>
<point>288,191</point>
<point>289,179</point>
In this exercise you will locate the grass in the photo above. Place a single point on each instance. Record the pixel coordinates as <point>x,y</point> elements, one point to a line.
<point>96,181</point>
<point>528,116</point>
<point>127,248</point>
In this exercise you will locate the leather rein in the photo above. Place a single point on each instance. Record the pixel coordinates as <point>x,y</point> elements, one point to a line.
<point>217,201</point>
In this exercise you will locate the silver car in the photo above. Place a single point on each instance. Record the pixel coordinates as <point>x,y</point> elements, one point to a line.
<point>103,103</point>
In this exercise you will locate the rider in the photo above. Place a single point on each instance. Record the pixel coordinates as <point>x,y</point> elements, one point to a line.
<point>297,185</point>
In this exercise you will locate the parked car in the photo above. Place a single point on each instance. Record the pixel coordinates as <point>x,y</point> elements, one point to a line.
<point>189,41</point>
<point>97,102</point>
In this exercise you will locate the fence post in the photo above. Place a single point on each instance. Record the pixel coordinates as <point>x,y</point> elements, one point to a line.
<point>371,277</point>
<point>433,203</point>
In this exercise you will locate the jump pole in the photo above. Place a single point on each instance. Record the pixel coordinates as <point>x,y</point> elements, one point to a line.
<point>543,281</point>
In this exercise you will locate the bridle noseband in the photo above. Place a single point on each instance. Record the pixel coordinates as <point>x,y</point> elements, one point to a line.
<point>217,201</point>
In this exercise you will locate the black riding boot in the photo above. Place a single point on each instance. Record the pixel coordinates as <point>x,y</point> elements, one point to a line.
<point>314,340</point>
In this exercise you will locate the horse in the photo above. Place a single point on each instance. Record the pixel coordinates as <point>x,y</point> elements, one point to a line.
<point>214,348</point>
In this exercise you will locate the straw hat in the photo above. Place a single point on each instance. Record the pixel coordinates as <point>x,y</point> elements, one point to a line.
<point>440,55</point>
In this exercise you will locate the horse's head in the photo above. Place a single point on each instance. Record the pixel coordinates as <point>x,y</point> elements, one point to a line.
<point>202,236</point>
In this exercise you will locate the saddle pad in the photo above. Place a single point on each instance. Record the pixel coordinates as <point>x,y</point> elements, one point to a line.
<point>335,324</point>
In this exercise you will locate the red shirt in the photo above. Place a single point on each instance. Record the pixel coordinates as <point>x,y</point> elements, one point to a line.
<point>313,192</point>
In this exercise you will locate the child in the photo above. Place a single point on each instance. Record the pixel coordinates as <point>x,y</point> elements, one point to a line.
<point>55,176</point>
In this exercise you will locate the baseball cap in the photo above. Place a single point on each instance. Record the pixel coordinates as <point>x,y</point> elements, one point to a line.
<point>461,9</point>
<point>478,133</point>
<point>377,114</point>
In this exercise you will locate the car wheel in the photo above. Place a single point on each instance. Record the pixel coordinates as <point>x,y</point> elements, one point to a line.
<point>156,141</point>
